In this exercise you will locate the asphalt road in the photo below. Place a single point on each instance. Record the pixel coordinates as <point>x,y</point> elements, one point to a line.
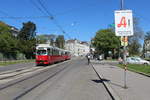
<point>15,89</point>
<point>77,81</point>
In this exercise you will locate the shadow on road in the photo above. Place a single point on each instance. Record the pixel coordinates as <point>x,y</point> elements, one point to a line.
<point>106,80</point>
<point>100,81</point>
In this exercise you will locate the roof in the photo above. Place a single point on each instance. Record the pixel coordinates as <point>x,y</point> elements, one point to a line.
<point>70,41</point>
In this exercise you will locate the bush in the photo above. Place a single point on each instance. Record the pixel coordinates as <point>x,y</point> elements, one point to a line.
<point>20,56</point>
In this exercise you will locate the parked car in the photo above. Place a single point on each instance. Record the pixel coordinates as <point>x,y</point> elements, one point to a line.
<point>98,56</point>
<point>137,60</point>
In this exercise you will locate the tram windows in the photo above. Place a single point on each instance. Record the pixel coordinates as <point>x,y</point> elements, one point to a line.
<point>49,50</point>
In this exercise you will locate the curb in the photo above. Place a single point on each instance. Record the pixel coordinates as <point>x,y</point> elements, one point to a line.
<point>107,86</point>
<point>141,73</point>
<point>134,71</point>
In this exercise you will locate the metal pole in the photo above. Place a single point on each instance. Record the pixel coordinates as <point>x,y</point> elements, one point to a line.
<point>125,65</point>
<point>122,4</point>
<point>124,57</point>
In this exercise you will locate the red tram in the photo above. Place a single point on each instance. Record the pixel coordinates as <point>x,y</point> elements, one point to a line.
<point>48,54</point>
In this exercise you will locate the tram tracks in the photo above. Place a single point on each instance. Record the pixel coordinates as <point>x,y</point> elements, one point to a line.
<point>26,84</point>
<point>17,72</point>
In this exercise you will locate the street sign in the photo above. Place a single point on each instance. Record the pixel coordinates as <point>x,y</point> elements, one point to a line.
<point>124,41</point>
<point>123,23</point>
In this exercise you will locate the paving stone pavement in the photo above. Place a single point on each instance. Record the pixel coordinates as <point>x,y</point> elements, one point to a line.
<point>138,85</point>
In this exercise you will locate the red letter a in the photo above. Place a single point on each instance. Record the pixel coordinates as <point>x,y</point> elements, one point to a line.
<point>122,22</point>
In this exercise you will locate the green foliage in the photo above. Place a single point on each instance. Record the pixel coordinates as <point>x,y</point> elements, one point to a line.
<point>105,40</point>
<point>146,39</point>
<point>138,32</point>
<point>60,41</point>
<point>147,36</point>
<point>15,48</point>
<point>20,56</point>
<point>134,45</point>
<point>8,43</point>
<point>52,39</point>
<point>27,47</point>
<point>28,31</point>
<point>1,56</point>
<point>41,39</point>
<point>4,28</point>
<point>27,40</point>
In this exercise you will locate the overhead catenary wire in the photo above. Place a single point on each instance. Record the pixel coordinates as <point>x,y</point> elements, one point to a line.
<point>51,17</point>
<point>37,7</point>
<point>23,17</point>
<point>45,9</point>
<point>6,15</point>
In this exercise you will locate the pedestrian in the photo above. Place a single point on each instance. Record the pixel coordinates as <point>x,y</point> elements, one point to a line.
<point>88,58</point>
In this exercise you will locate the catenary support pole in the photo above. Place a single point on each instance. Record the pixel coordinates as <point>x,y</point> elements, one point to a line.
<point>124,55</point>
<point>125,65</point>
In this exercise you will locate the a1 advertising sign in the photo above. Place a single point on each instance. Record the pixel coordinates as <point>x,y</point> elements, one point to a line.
<point>123,23</point>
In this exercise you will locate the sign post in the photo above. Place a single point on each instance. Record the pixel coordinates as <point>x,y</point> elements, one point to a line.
<point>124,28</point>
<point>124,41</point>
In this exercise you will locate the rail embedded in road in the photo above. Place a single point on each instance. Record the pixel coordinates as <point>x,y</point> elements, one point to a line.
<point>30,81</point>
<point>17,72</point>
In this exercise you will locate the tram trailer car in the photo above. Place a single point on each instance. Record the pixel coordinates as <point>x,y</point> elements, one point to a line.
<point>48,55</point>
<point>67,55</point>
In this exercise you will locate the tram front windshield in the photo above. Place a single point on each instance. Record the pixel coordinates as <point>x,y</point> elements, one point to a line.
<point>41,52</point>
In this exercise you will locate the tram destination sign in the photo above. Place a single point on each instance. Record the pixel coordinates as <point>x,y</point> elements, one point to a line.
<point>123,23</point>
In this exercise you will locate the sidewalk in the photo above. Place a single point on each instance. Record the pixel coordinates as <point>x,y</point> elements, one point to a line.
<point>138,85</point>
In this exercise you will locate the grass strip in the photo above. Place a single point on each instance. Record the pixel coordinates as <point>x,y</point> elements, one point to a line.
<point>5,63</point>
<point>137,68</point>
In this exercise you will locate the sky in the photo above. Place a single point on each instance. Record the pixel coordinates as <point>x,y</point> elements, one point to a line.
<point>80,19</point>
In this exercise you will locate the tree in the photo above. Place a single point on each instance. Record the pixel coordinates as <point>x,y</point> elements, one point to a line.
<point>147,36</point>
<point>27,48</point>
<point>4,28</point>
<point>28,31</point>
<point>60,41</point>
<point>134,45</point>
<point>27,40</point>
<point>46,38</point>
<point>51,38</point>
<point>134,48</point>
<point>146,42</point>
<point>105,41</point>
<point>41,39</point>
<point>8,45</point>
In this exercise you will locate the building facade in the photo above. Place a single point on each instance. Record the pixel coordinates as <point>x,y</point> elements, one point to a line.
<point>14,31</point>
<point>77,48</point>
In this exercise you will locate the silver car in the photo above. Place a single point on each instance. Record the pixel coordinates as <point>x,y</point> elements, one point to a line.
<point>137,60</point>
